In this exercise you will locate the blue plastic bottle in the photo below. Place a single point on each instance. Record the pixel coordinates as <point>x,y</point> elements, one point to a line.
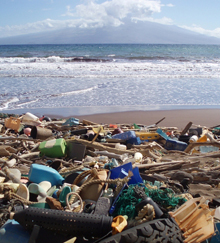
<point>39,173</point>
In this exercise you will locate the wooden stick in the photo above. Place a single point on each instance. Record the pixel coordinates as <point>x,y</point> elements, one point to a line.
<point>193,145</point>
<point>145,166</point>
<point>187,127</point>
<point>163,168</point>
<point>17,138</point>
<point>97,134</point>
<point>23,156</point>
<point>22,159</point>
<point>86,122</point>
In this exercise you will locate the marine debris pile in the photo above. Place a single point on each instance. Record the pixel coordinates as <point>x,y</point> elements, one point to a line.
<point>66,180</point>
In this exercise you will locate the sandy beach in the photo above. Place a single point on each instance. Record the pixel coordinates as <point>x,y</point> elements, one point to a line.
<point>178,118</point>
<point>173,118</point>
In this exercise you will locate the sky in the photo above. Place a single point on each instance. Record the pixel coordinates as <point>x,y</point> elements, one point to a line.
<point>19,17</point>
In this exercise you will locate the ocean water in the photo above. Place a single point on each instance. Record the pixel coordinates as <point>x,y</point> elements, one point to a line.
<point>88,79</point>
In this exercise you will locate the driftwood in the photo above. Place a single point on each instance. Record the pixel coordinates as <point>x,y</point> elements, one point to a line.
<point>186,128</point>
<point>175,166</point>
<point>150,145</point>
<point>148,153</point>
<point>189,165</point>
<point>146,166</point>
<point>163,168</point>
<point>22,159</point>
<point>86,122</point>
<point>29,155</point>
<point>193,145</point>
<point>114,140</point>
<point>18,138</point>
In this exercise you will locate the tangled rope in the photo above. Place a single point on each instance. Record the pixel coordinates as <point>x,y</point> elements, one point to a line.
<point>67,201</point>
<point>111,181</point>
<point>9,194</point>
<point>7,190</point>
<point>66,171</point>
<point>147,213</point>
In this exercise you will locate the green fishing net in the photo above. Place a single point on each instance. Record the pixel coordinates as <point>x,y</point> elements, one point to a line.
<point>165,197</point>
<point>126,203</point>
<point>128,199</point>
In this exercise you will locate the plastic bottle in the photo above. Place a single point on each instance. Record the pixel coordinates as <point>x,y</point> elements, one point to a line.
<point>193,139</point>
<point>39,173</point>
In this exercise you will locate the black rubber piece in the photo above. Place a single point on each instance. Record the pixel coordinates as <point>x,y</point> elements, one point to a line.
<point>76,224</point>
<point>155,231</point>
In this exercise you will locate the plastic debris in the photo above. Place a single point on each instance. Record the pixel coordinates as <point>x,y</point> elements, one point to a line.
<point>79,181</point>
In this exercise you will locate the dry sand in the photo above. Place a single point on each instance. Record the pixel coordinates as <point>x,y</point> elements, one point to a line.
<point>173,118</point>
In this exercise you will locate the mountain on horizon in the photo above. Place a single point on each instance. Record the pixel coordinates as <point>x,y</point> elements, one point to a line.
<point>128,33</point>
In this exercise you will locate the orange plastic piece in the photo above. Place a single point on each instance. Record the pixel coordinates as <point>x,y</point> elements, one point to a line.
<point>118,224</point>
<point>12,123</point>
<point>202,139</point>
<point>195,219</point>
<point>113,126</point>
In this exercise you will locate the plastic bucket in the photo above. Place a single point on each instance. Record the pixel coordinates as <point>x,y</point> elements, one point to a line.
<point>75,150</point>
<point>40,133</point>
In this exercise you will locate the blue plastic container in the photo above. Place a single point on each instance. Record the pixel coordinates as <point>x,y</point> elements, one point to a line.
<point>125,135</point>
<point>12,231</point>
<point>122,171</point>
<point>39,173</point>
<point>162,134</point>
<point>172,144</point>
<point>136,141</point>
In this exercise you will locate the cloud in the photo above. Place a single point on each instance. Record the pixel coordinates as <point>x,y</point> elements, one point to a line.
<point>119,9</point>
<point>164,20</point>
<point>112,12</point>
<point>91,15</point>
<point>200,30</point>
<point>169,5</point>
<point>39,26</point>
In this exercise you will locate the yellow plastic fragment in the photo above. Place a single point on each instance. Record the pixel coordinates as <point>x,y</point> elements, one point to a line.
<point>118,224</point>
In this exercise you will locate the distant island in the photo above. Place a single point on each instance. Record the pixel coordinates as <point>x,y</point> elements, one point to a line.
<point>128,33</point>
